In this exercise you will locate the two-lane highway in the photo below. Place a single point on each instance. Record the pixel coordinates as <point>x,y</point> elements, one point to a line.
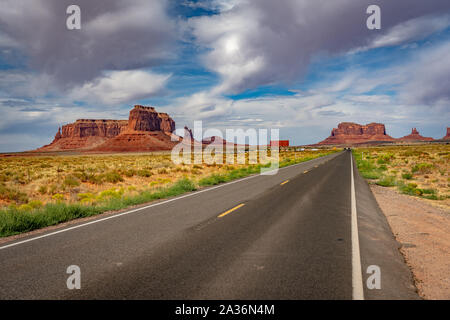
<point>287,236</point>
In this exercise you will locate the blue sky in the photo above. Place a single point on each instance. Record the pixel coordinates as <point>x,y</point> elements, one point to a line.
<point>301,66</point>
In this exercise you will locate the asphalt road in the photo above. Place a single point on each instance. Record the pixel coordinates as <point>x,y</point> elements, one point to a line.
<point>286,236</point>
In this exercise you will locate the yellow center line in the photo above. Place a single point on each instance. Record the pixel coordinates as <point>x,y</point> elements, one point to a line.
<point>284,182</point>
<point>231,210</point>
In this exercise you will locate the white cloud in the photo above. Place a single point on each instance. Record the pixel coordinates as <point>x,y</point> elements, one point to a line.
<point>115,35</point>
<point>369,99</point>
<point>117,87</point>
<point>422,100</point>
<point>427,79</point>
<point>262,42</point>
<point>411,30</point>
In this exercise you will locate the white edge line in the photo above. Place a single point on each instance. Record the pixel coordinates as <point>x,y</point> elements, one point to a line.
<point>357,283</point>
<point>141,208</point>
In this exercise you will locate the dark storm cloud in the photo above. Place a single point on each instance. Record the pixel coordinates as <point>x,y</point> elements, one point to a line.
<point>115,35</point>
<point>263,42</point>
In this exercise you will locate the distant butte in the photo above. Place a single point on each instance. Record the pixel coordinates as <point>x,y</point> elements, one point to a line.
<point>353,133</point>
<point>415,136</point>
<point>349,133</point>
<point>146,130</point>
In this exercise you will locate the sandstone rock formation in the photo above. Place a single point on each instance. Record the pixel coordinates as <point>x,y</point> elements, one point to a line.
<point>353,133</point>
<point>146,130</point>
<point>147,119</point>
<point>415,136</point>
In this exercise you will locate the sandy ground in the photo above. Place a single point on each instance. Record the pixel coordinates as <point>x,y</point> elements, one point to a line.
<point>424,232</point>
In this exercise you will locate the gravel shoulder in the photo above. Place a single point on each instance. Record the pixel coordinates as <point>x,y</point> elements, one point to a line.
<point>424,233</point>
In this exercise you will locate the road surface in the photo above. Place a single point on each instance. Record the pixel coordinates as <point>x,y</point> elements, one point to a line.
<point>299,234</point>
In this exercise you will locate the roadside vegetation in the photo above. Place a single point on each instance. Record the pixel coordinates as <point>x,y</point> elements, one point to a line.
<point>39,191</point>
<point>421,171</point>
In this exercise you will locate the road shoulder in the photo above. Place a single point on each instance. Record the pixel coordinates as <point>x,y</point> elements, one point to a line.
<point>423,231</point>
<point>379,248</point>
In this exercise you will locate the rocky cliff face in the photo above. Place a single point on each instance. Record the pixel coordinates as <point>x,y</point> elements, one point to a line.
<point>146,130</point>
<point>415,136</point>
<point>147,119</point>
<point>352,133</point>
<point>86,128</point>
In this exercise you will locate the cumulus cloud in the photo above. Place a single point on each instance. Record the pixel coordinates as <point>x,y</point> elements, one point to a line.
<point>248,44</point>
<point>114,35</point>
<point>19,83</point>
<point>28,124</point>
<point>116,87</point>
<point>262,42</point>
<point>419,96</point>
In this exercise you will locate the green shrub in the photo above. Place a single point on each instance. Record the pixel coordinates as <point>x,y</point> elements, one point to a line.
<point>410,189</point>
<point>388,181</point>
<point>129,173</point>
<point>42,189</point>
<point>89,177</point>
<point>14,220</point>
<point>35,204</point>
<point>212,180</point>
<point>12,194</point>
<point>110,193</point>
<point>58,197</point>
<point>366,165</point>
<point>85,196</point>
<point>112,177</point>
<point>422,168</point>
<point>181,186</point>
<point>25,207</point>
<point>386,158</point>
<point>371,175</point>
<point>71,181</point>
<point>144,173</point>
<point>411,153</point>
<point>429,191</point>
<point>407,176</point>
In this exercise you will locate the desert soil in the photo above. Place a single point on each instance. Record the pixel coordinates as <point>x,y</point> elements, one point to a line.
<point>423,231</point>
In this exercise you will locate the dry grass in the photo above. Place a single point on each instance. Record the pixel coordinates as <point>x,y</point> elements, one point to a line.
<point>421,171</point>
<point>38,191</point>
<point>35,181</point>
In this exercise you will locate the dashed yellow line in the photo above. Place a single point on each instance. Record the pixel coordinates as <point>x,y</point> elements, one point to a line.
<point>231,210</point>
<point>284,182</point>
